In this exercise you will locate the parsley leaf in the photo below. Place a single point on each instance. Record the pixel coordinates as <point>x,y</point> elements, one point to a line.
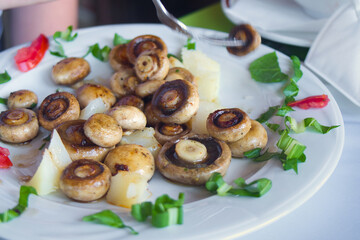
<point>190,45</point>
<point>4,77</point>
<point>3,101</point>
<point>100,53</point>
<point>119,40</point>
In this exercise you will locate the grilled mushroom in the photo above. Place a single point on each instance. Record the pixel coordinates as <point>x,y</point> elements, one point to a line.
<point>148,88</point>
<point>193,158</point>
<point>165,132</point>
<point>228,125</point>
<point>88,92</point>
<point>248,35</point>
<point>144,43</point>
<point>152,65</point>
<point>151,119</point>
<point>85,180</point>
<point>131,100</point>
<point>124,82</point>
<point>58,108</point>
<point>22,99</point>
<point>18,125</point>
<point>103,130</point>
<point>255,138</point>
<point>175,102</point>
<point>70,71</point>
<point>179,73</point>
<point>77,144</point>
<point>128,117</point>
<point>118,58</point>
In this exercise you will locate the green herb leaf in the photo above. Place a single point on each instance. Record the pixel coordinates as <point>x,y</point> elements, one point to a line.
<point>65,35</point>
<point>299,127</point>
<point>119,40</point>
<point>4,77</point>
<point>108,218</point>
<point>266,69</point>
<point>190,45</point>
<point>268,114</point>
<point>10,214</point>
<point>257,188</point>
<point>141,211</point>
<point>283,110</point>
<point>272,126</point>
<point>172,55</point>
<point>252,153</point>
<point>296,66</point>
<point>3,101</point>
<point>100,53</point>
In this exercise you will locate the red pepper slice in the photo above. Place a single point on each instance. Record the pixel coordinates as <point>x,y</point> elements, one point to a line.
<point>4,159</point>
<point>318,101</point>
<point>29,57</point>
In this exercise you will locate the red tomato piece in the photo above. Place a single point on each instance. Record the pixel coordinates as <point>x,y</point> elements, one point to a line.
<point>29,57</point>
<point>4,159</point>
<point>318,101</point>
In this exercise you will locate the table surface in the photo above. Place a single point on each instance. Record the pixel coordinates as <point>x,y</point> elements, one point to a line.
<point>334,211</point>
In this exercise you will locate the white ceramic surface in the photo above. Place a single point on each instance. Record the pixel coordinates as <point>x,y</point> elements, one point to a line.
<point>321,8</point>
<point>205,216</point>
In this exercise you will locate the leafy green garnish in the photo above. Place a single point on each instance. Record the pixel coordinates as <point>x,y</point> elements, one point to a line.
<point>165,212</point>
<point>273,126</point>
<point>119,40</point>
<point>4,77</point>
<point>257,188</point>
<point>108,218</point>
<point>65,36</point>
<point>190,45</point>
<point>299,127</point>
<point>12,213</point>
<point>3,101</point>
<point>266,69</point>
<point>100,53</point>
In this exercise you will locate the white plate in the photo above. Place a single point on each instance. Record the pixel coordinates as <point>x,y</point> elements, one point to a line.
<point>278,20</point>
<point>205,216</point>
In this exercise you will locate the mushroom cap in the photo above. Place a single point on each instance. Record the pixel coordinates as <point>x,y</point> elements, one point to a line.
<point>148,88</point>
<point>18,125</point>
<point>132,158</point>
<point>85,180</point>
<point>152,65</point>
<point>248,35</point>
<point>58,108</point>
<point>175,102</point>
<point>180,73</point>
<point>165,132</point>
<point>131,100</point>
<point>118,58</point>
<point>22,99</point>
<point>70,70</point>
<point>171,166</point>
<point>124,82</point>
<point>144,43</point>
<point>88,92</point>
<point>255,138</point>
<point>151,119</point>
<point>128,117</point>
<point>77,144</point>
<point>229,124</point>
<point>103,130</point>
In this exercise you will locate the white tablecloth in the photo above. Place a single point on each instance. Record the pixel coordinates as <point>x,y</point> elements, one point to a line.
<point>333,213</point>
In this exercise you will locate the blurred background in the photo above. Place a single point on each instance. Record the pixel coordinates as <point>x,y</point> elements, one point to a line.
<point>56,16</point>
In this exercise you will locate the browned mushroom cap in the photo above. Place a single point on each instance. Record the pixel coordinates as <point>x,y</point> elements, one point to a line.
<point>131,100</point>
<point>148,88</point>
<point>77,144</point>
<point>103,130</point>
<point>151,119</point>
<point>175,102</point>
<point>152,65</point>
<point>128,117</point>
<point>85,180</point>
<point>179,73</point>
<point>193,158</point>
<point>70,70</point>
<point>18,125</point>
<point>248,35</point>
<point>131,158</point>
<point>88,92</point>
<point>228,124</point>
<point>255,138</point>
<point>165,132</point>
<point>118,58</point>
<point>22,99</point>
<point>124,82</point>
<point>143,43</point>
<point>58,108</point>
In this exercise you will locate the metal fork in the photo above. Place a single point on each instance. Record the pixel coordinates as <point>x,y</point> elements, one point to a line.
<point>169,20</point>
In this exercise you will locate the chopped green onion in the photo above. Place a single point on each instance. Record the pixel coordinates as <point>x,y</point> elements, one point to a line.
<point>100,53</point>
<point>252,153</point>
<point>119,40</point>
<point>190,45</point>
<point>108,218</point>
<point>299,127</point>
<point>3,101</point>
<point>165,212</point>
<point>10,214</point>
<point>268,114</point>
<point>4,77</point>
<point>257,188</point>
<point>272,126</point>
